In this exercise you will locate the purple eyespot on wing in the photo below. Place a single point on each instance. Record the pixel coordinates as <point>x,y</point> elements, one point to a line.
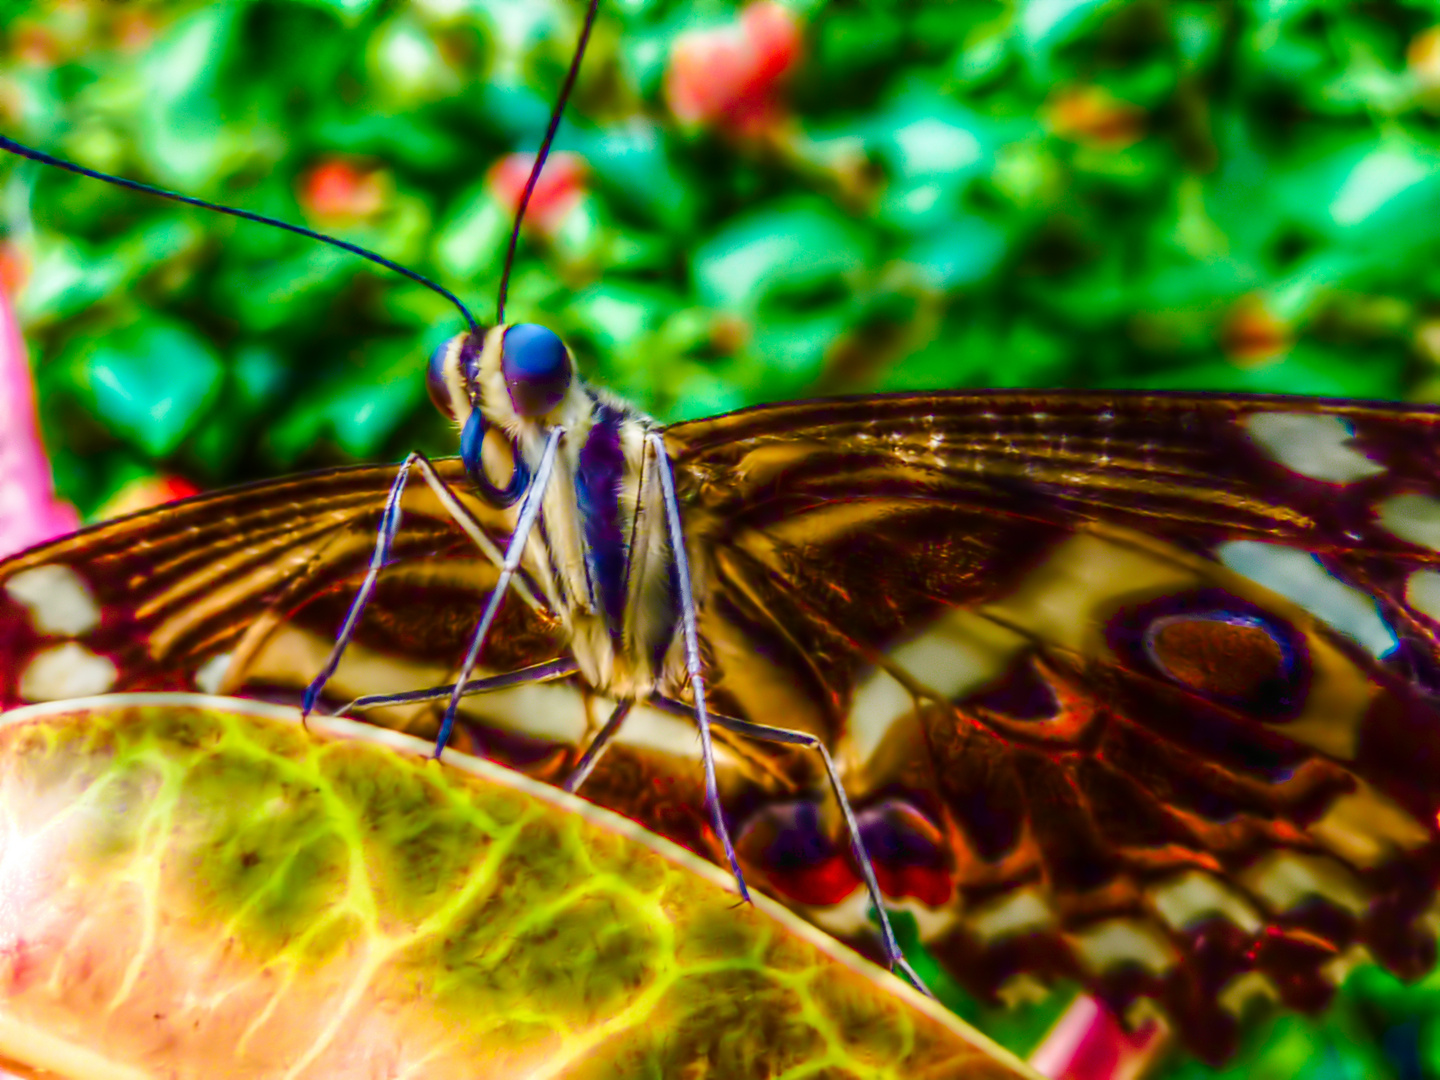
<point>800,860</point>
<point>908,850</point>
<point>1219,648</point>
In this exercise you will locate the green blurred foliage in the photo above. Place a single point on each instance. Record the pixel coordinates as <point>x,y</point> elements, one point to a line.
<point>1216,194</point>
<point>1040,193</point>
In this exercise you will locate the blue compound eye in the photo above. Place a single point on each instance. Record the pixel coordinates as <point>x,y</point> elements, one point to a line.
<point>436,382</point>
<point>536,368</point>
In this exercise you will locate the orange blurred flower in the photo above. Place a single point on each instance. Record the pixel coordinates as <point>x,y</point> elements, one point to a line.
<point>1423,56</point>
<point>1094,117</point>
<point>34,44</point>
<point>14,269</point>
<point>1252,334</point>
<point>134,29</point>
<point>337,188</point>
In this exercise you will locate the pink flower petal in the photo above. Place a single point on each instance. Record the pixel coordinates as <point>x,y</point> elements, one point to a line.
<point>29,511</point>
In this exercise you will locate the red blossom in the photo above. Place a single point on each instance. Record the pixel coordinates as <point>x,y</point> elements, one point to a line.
<point>341,189</point>
<point>731,76</point>
<point>558,189</point>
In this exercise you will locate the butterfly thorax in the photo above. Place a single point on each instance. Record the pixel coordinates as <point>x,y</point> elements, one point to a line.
<point>598,555</point>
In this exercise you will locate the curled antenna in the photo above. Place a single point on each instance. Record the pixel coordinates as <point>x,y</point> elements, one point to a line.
<point>119,181</point>
<point>555,114</point>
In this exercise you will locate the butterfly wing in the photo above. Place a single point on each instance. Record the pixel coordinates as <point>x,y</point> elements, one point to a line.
<point>1082,741</point>
<point>245,588</point>
<point>1135,689</point>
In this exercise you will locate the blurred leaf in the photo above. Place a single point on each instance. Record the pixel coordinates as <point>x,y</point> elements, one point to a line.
<point>795,245</point>
<point>151,383</point>
<point>958,253</point>
<point>184,136</point>
<point>357,410</point>
<point>1045,25</point>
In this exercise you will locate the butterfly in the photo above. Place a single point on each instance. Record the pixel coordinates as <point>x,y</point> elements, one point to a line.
<point>1137,689</point>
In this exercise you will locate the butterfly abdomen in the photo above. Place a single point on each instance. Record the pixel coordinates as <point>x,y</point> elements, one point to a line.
<point>599,476</point>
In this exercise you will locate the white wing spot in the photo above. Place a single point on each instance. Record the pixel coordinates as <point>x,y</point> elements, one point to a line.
<point>1422,592</point>
<point>1119,942</point>
<point>1284,880</point>
<point>211,674</point>
<point>1240,993</point>
<point>1365,827</point>
<point>1302,579</point>
<point>1022,912</point>
<point>1313,446</point>
<point>1194,895</point>
<point>956,654</point>
<point>66,671</point>
<point>59,600</point>
<point>1415,518</point>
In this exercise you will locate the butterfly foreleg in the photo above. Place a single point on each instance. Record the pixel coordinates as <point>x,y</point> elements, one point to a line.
<point>462,516</point>
<point>535,673</point>
<point>385,538</point>
<point>693,666</point>
<point>529,511</point>
<point>766,733</point>
<point>598,745</point>
<point>384,541</point>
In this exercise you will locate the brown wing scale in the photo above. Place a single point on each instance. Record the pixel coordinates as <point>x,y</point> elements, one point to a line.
<point>1080,741</point>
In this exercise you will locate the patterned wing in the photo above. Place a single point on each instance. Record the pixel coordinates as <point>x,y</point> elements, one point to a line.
<point>245,588</point>
<point>1134,689</point>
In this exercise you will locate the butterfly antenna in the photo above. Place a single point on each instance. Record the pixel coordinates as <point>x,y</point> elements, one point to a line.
<point>119,181</point>
<point>555,114</point>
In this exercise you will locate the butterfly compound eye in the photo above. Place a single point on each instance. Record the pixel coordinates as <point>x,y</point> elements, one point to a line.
<point>436,381</point>
<point>536,367</point>
<point>450,373</point>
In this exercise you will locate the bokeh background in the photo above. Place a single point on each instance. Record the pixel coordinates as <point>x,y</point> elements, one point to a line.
<point>749,203</point>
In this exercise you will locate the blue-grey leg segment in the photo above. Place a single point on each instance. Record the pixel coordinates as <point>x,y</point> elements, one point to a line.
<point>389,526</point>
<point>765,733</point>
<point>535,673</point>
<point>598,745</point>
<point>529,511</point>
<point>693,665</point>
<point>385,538</point>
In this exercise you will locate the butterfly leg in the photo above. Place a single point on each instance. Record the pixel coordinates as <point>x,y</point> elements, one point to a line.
<point>765,733</point>
<point>598,745</point>
<point>693,665</point>
<point>529,511</point>
<point>384,540</point>
<point>535,673</point>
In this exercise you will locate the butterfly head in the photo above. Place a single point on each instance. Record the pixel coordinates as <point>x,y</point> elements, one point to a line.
<point>520,376</point>
<point>518,379</point>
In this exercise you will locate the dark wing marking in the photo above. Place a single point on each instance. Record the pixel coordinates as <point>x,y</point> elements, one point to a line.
<point>260,576</point>
<point>1133,688</point>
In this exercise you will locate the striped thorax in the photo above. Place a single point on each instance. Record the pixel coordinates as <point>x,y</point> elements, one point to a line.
<point>599,555</point>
